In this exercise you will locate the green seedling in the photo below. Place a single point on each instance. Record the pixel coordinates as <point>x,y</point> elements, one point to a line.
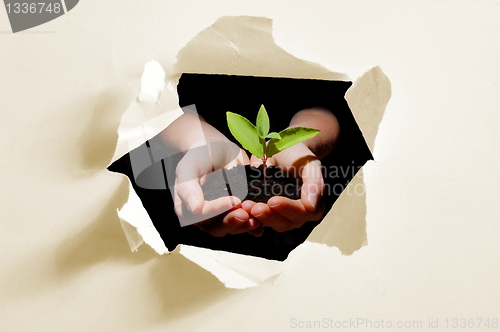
<point>253,138</point>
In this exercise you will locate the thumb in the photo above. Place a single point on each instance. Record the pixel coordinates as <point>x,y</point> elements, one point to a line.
<point>187,187</point>
<point>190,193</point>
<point>312,185</point>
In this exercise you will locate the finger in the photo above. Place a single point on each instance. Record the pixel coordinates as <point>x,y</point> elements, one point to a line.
<point>244,158</point>
<point>190,193</point>
<point>258,231</point>
<point>220,205</point>
<point>312,185</point>
<point>231,222</point>
<point>254,161</point>
<point>253,223</point>
<point>295,209</point>
<point>288,208</point>
<point>210,210</point>
<point>252,226</point>
<point>178,204</point>
<point>224,154</point>
<point>241,159</point>
<point>247,205</point>
<point>187,182</point>
<point>260,210</point>
<point>269,218</point>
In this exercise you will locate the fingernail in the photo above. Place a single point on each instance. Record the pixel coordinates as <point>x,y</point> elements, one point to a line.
<point>313,199</point>
<point>192,202</point>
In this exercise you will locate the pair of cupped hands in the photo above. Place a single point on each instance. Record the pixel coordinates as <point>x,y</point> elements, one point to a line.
<point>229,215</point>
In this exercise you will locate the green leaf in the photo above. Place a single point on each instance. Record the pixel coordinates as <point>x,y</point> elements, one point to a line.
<point>262,122</point>
<point>273,135</point>
<point>289,137</point>
<point>245,133</point>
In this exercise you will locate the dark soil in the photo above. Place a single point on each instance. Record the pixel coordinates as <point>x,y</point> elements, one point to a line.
<point>276,184</point>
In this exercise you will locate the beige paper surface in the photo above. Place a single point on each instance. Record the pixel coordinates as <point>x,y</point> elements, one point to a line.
<point>245,46</point>
<point>432,194</point>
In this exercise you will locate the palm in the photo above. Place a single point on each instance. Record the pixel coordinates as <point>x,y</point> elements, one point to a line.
<point>281,213</point>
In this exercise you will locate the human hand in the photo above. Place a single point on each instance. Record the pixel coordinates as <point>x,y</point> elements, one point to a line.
<point>223,215</point>
<point>281,213</point>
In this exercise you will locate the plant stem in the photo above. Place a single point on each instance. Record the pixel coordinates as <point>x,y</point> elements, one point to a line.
<point>264,167</point>
<point>264,158</point>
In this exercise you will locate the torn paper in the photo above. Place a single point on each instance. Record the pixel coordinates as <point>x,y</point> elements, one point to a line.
<point>233,270</point>
<point>245,46</point>
<point>154,109</point>
<point>344,226</point>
